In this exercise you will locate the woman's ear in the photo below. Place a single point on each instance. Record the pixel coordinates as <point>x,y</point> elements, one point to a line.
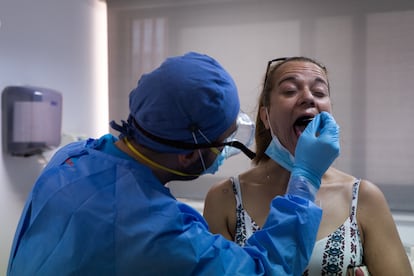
<point>264,113</point>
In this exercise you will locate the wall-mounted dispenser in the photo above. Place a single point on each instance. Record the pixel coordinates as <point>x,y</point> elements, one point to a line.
<point>31,119</point>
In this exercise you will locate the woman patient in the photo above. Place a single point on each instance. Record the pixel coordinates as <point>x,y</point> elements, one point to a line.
<point>357,228</point>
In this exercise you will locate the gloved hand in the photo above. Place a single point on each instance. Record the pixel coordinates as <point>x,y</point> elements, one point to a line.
<point>317,147</point>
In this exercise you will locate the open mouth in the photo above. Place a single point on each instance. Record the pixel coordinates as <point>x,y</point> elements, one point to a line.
<point>301,123</point>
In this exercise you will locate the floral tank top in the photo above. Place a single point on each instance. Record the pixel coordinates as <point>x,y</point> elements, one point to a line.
<point>331,255</point>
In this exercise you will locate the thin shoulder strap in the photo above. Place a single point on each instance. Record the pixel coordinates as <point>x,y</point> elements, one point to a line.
<point>356,239</point>
<point>354,203</point>
<point>248,222</point>
<point>236,189</point>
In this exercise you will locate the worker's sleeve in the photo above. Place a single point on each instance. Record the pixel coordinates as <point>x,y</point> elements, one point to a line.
<point>282,247</point>
<point>288,236</point>
<point>99,221</point>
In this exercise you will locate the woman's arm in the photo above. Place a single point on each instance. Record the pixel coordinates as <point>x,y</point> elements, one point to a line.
<point>384,253</point>
<point>220,209</point>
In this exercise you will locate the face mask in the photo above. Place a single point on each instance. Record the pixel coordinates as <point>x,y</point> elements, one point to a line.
<point>277,152</point>
<point>221,155</point>
<point>216,164</point>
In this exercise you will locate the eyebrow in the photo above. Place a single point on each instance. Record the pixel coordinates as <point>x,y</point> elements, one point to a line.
<point>293,78</point>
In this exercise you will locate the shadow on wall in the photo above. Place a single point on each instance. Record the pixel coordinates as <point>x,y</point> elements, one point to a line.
<point>21,173</point>
<point>195,189</point>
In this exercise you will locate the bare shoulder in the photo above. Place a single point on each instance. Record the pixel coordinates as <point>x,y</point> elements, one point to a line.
<point>336,176</point>
<point>220,197</point>
<point>370,195</point>
<point>373,209</point>
<point>222,189</point>
<point>219,208</point>
<point>384,253</point>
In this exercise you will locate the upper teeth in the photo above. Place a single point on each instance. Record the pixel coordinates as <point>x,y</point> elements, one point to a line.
<point>304,121</point>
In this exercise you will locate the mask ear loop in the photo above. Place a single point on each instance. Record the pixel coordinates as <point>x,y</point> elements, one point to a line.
<point>290,157</point>
<point>199,151</point>
<point>270,125</point>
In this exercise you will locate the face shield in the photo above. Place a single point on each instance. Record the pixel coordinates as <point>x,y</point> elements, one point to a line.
<point>238,141</point>
<point>241,139</point>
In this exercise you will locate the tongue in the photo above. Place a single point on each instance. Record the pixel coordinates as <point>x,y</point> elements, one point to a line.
<point>299,130</point>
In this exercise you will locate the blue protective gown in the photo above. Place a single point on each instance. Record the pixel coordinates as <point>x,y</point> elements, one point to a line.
<point>96,211</point>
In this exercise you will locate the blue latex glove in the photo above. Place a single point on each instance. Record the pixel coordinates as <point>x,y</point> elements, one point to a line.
<point>317,148</point>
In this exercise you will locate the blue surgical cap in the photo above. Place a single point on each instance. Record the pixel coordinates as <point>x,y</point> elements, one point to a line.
<point>185,95</point>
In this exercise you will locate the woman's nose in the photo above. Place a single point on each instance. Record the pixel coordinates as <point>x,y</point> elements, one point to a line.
<point>307,97</point>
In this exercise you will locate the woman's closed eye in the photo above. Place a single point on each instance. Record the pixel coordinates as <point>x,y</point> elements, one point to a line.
<point>319,93</point>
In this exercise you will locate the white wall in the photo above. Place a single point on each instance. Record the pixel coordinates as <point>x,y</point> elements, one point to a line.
<point>60,45</point>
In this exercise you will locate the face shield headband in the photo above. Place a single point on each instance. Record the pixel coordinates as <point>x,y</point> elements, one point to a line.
<point>237,142</point>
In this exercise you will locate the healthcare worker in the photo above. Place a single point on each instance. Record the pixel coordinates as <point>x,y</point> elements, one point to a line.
<point>101,206</point>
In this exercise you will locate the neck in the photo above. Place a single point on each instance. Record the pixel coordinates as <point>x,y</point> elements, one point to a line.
<point>163,176</point>
<point>274,174</point>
